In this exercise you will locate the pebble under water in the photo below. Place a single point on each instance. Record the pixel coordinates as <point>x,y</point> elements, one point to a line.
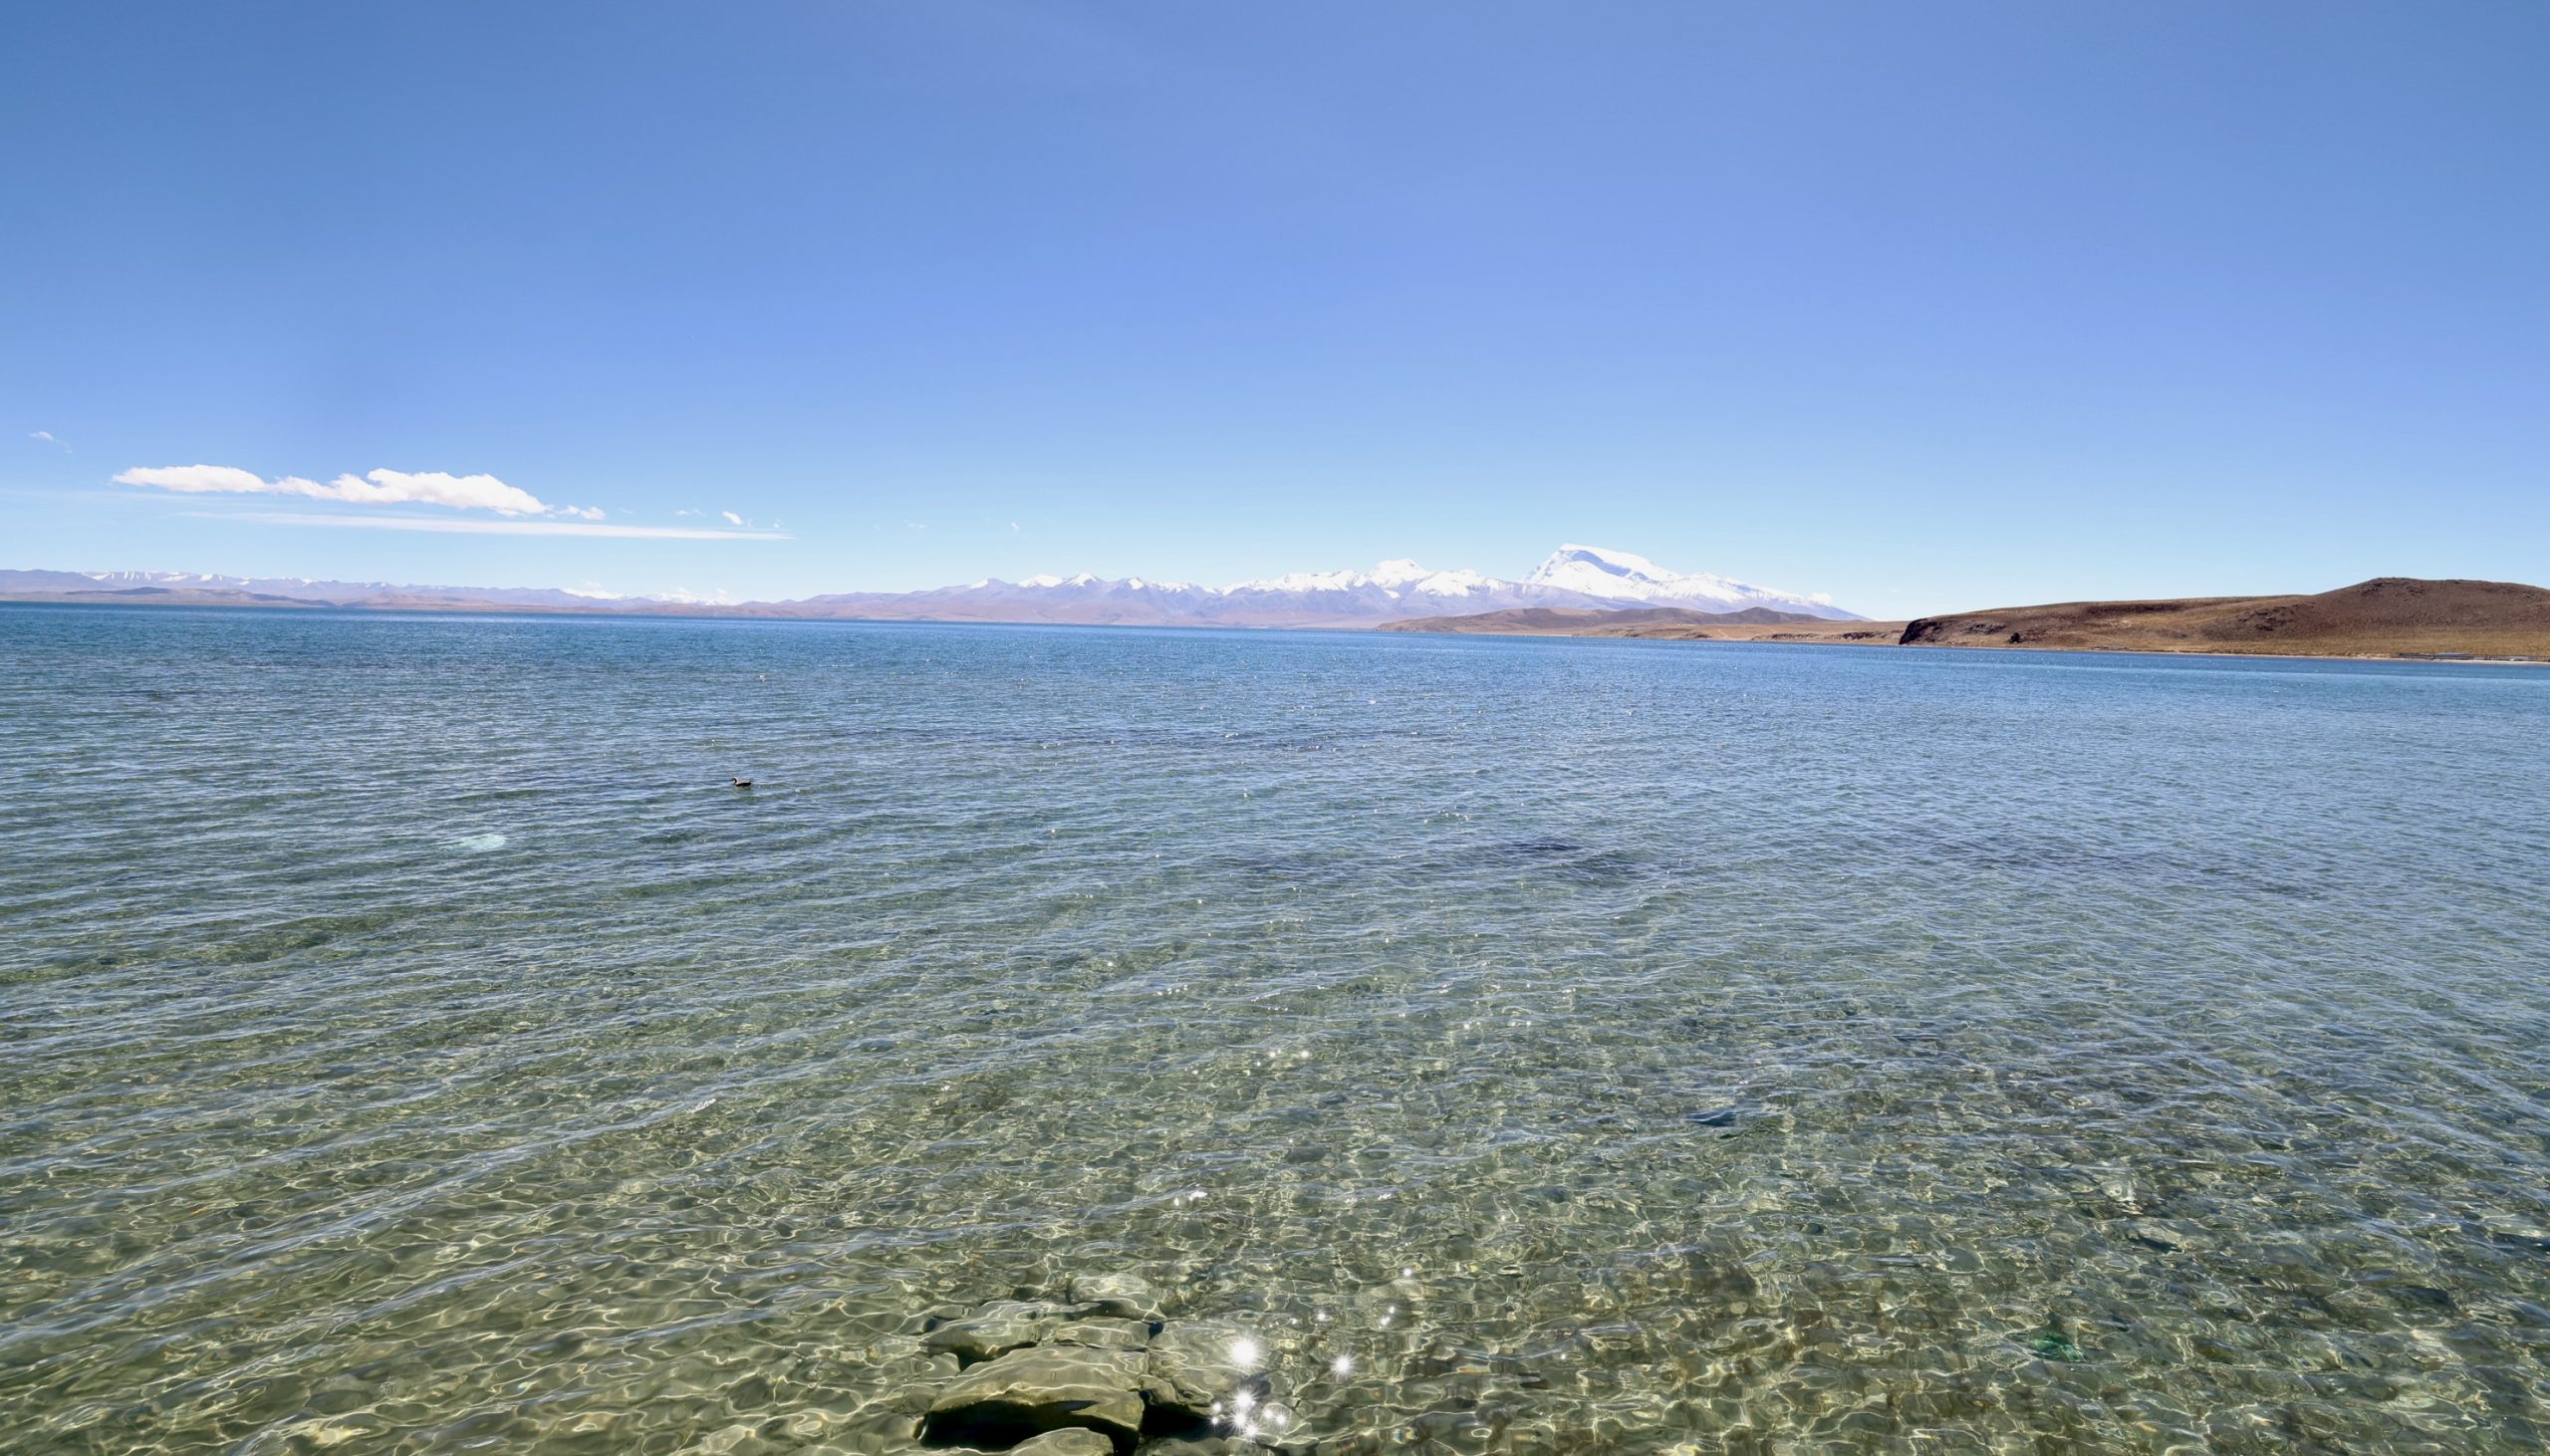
<point>414,1043</point>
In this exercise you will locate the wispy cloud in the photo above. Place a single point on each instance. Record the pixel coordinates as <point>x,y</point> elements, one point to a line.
<point>733,518</point>
<point>462,525</point>
<point>374,488</point>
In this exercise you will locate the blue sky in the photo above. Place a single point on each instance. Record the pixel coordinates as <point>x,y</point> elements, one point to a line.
<point>1927,306</point>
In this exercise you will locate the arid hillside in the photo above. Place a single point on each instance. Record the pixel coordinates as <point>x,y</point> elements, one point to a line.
<point>2386,617</point>
<point>1675,624</point>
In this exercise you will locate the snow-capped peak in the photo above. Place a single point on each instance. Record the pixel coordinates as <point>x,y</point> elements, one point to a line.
<point>1574,560</point>
<point>1619,575</point>
<point>1391,578</point>
<point>1574,575</point>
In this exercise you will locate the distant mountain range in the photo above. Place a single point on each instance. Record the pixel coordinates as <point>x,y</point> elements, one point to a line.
<point>1578,592</point>
<point>1578,577</point>
<point>203,587</point>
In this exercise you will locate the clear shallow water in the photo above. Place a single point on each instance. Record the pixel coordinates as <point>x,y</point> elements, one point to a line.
<point>410,1044</point>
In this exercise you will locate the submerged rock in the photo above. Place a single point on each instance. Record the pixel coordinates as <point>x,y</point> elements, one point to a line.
<point>1028,1392</point>
<point>2052,1343</point>
<point>1103,1334</point>
<point>1072,1442</point>
<point>999,1328</point>
<point>1126,1296</point>
<point>1202,1365</point>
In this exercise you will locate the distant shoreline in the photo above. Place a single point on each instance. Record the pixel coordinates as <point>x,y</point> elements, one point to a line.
<point>1745,636</point>
<point>2003,649</point>
<point>2388,618</point>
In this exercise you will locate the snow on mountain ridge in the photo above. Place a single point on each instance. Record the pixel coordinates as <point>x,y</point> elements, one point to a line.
<point>1392,577</point>
<point>1622,576</point>
<point>1573,576</point>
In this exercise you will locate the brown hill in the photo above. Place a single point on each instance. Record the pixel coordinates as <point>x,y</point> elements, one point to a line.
<point>2386,617</point>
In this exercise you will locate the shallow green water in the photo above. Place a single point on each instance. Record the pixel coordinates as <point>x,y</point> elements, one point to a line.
<point>410,1044</point>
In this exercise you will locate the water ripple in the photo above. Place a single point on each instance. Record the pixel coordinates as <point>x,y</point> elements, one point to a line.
<point>414,1043</point>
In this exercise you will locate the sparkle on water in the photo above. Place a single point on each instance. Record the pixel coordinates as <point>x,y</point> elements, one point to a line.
<point>414,1043</point>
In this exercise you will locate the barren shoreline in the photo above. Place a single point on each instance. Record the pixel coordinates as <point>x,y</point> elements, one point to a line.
<point>2388,618</point>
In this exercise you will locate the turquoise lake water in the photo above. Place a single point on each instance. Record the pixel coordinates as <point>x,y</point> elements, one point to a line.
<point>411,1044</point>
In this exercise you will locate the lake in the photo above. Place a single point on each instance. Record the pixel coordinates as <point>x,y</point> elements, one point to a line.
<point>412,1041</point>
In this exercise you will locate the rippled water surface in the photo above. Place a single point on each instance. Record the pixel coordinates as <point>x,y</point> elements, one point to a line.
<point>411,1044</point>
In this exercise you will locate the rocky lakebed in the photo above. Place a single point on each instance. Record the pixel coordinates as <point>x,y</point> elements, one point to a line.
<point>1095,1368</point>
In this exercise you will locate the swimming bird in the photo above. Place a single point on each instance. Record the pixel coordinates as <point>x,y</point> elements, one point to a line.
<point>741,783</point>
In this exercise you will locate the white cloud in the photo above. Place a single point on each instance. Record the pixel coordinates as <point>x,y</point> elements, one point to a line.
<point>376,488</point>
<point>731,518</point>
<point>45,435</point>
<point>517,526</point>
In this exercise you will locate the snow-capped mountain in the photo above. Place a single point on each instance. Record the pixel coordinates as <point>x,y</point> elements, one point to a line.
<point>1594,571</point>
<point>1395,591</point>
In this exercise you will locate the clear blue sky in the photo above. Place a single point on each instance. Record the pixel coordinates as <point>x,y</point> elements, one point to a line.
<point>1925,306</point>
